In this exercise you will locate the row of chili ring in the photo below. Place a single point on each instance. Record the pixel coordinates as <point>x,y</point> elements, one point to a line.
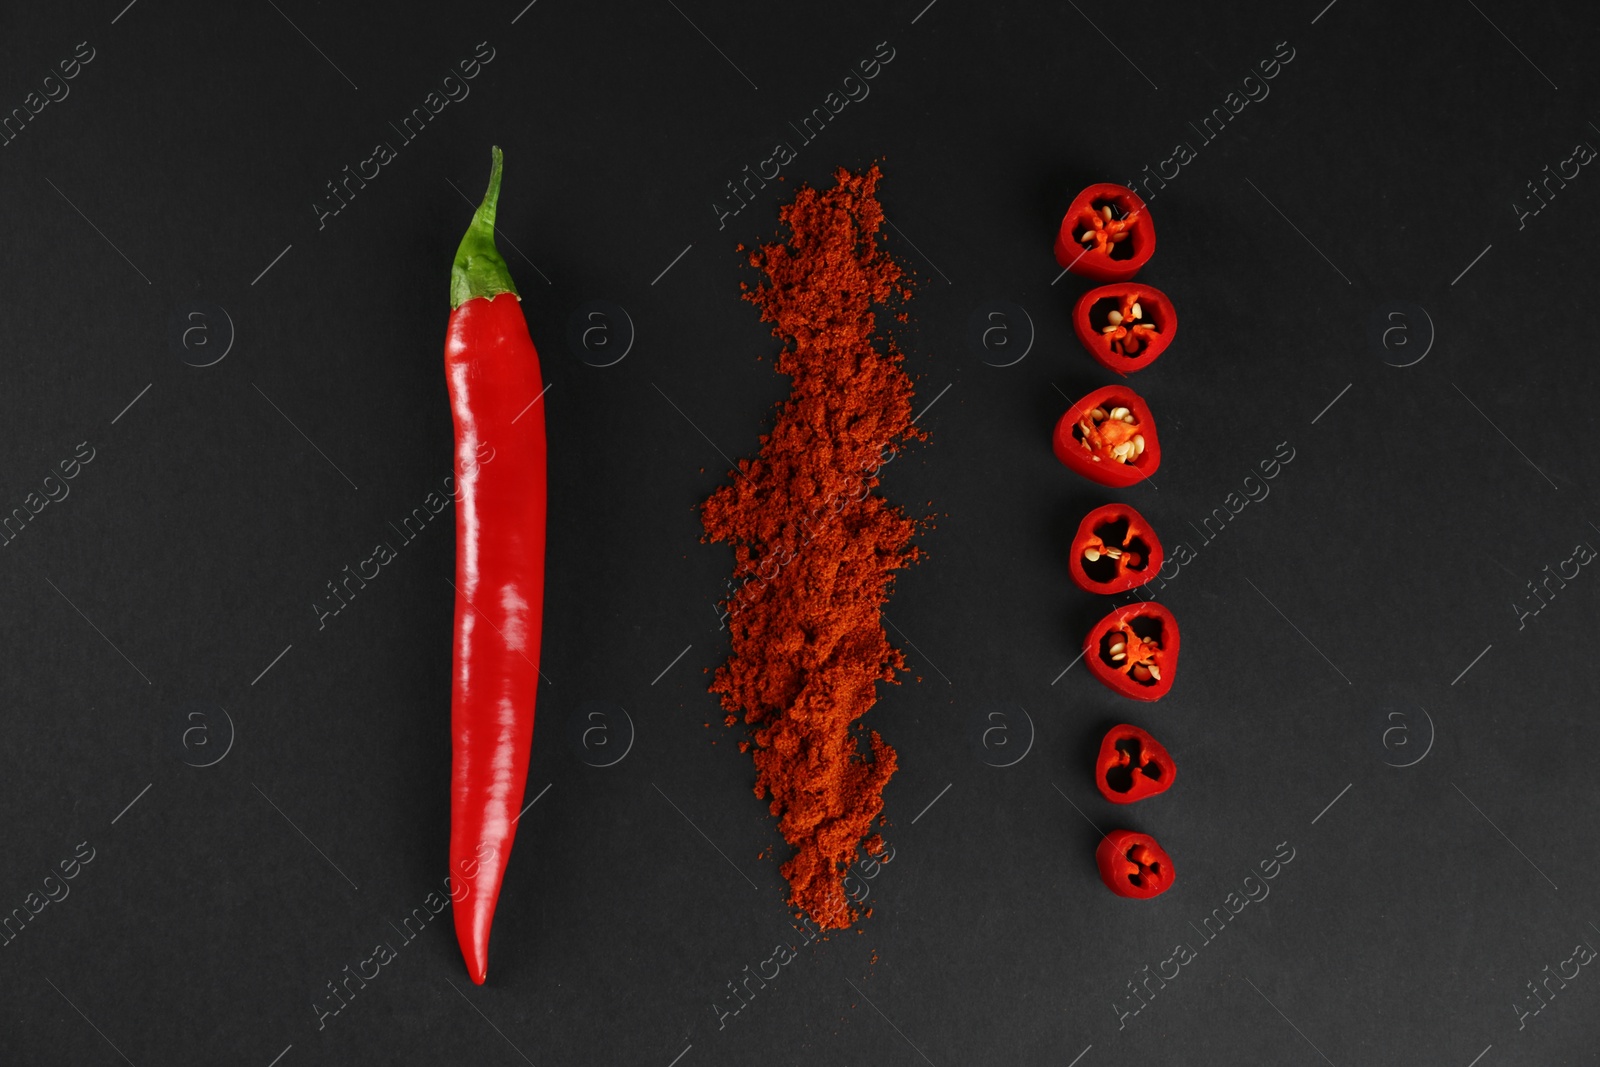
<point>1109,437</point>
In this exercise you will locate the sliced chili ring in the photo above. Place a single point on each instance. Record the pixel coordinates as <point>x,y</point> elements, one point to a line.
<point>1107,234</point>
<point>1109,437</point>
<point>1114,550</point>
<point>1133,865</point>
<point>1125,326</point>
<point>1132,766</point>
<point>1134,650</point>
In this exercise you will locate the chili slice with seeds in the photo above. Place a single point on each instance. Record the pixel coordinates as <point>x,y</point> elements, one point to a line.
<point>1125,327</point>
<point>1109,437</point>
<point>1107,234</point>
<point>1134,651</point>
<point>1114,550</point>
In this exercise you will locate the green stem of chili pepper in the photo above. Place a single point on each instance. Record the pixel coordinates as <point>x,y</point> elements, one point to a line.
<point>479,269</point>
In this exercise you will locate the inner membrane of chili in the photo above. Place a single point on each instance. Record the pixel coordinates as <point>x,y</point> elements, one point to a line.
<point>1134,865</point>
<point>1131,767</point>
<point>1112,552</point>
<point>1134,648</point>
<point>1110,434</point>
<point>1105,226</point>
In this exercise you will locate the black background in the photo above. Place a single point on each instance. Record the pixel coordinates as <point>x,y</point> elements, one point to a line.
<point>1377,580</point>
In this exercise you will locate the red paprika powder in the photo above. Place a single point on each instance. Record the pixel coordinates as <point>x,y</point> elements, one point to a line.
<point>815,549</point>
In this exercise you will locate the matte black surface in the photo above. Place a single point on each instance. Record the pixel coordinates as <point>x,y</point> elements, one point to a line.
<point>1360,615</point>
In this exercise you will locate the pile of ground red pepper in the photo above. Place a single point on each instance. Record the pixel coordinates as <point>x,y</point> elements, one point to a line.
<point>815,548</point>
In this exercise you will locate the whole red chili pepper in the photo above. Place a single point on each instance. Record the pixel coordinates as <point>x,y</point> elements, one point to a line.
<point>1134,650</point>
<point>1107,234</point>
<point>493,375</point>
<point>1109,437</point>
<point>1133,865</point>
<point>1115,550</point>
<point>1125,326</point>
<point>1132,766</point>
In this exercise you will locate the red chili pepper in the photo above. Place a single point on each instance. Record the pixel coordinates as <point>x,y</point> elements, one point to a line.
<point>1133,865</point>
<point>1125,326</point>
<point>1134,650</point>
<point>1107,234</point>
<point>1132,766</point>
<point>1115,550</point>
<point>1109,437</point>
<point>493,375</point>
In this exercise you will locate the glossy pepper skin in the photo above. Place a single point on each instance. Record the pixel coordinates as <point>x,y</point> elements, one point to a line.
<point>492,372</point>
<point>1114,550</point>
<point>1107,234</point>
<point>1125,326</point>
<point>1133,865</point>
<point>1088,440</point>
<point>1134,651</point>
<point>1132,766</point>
